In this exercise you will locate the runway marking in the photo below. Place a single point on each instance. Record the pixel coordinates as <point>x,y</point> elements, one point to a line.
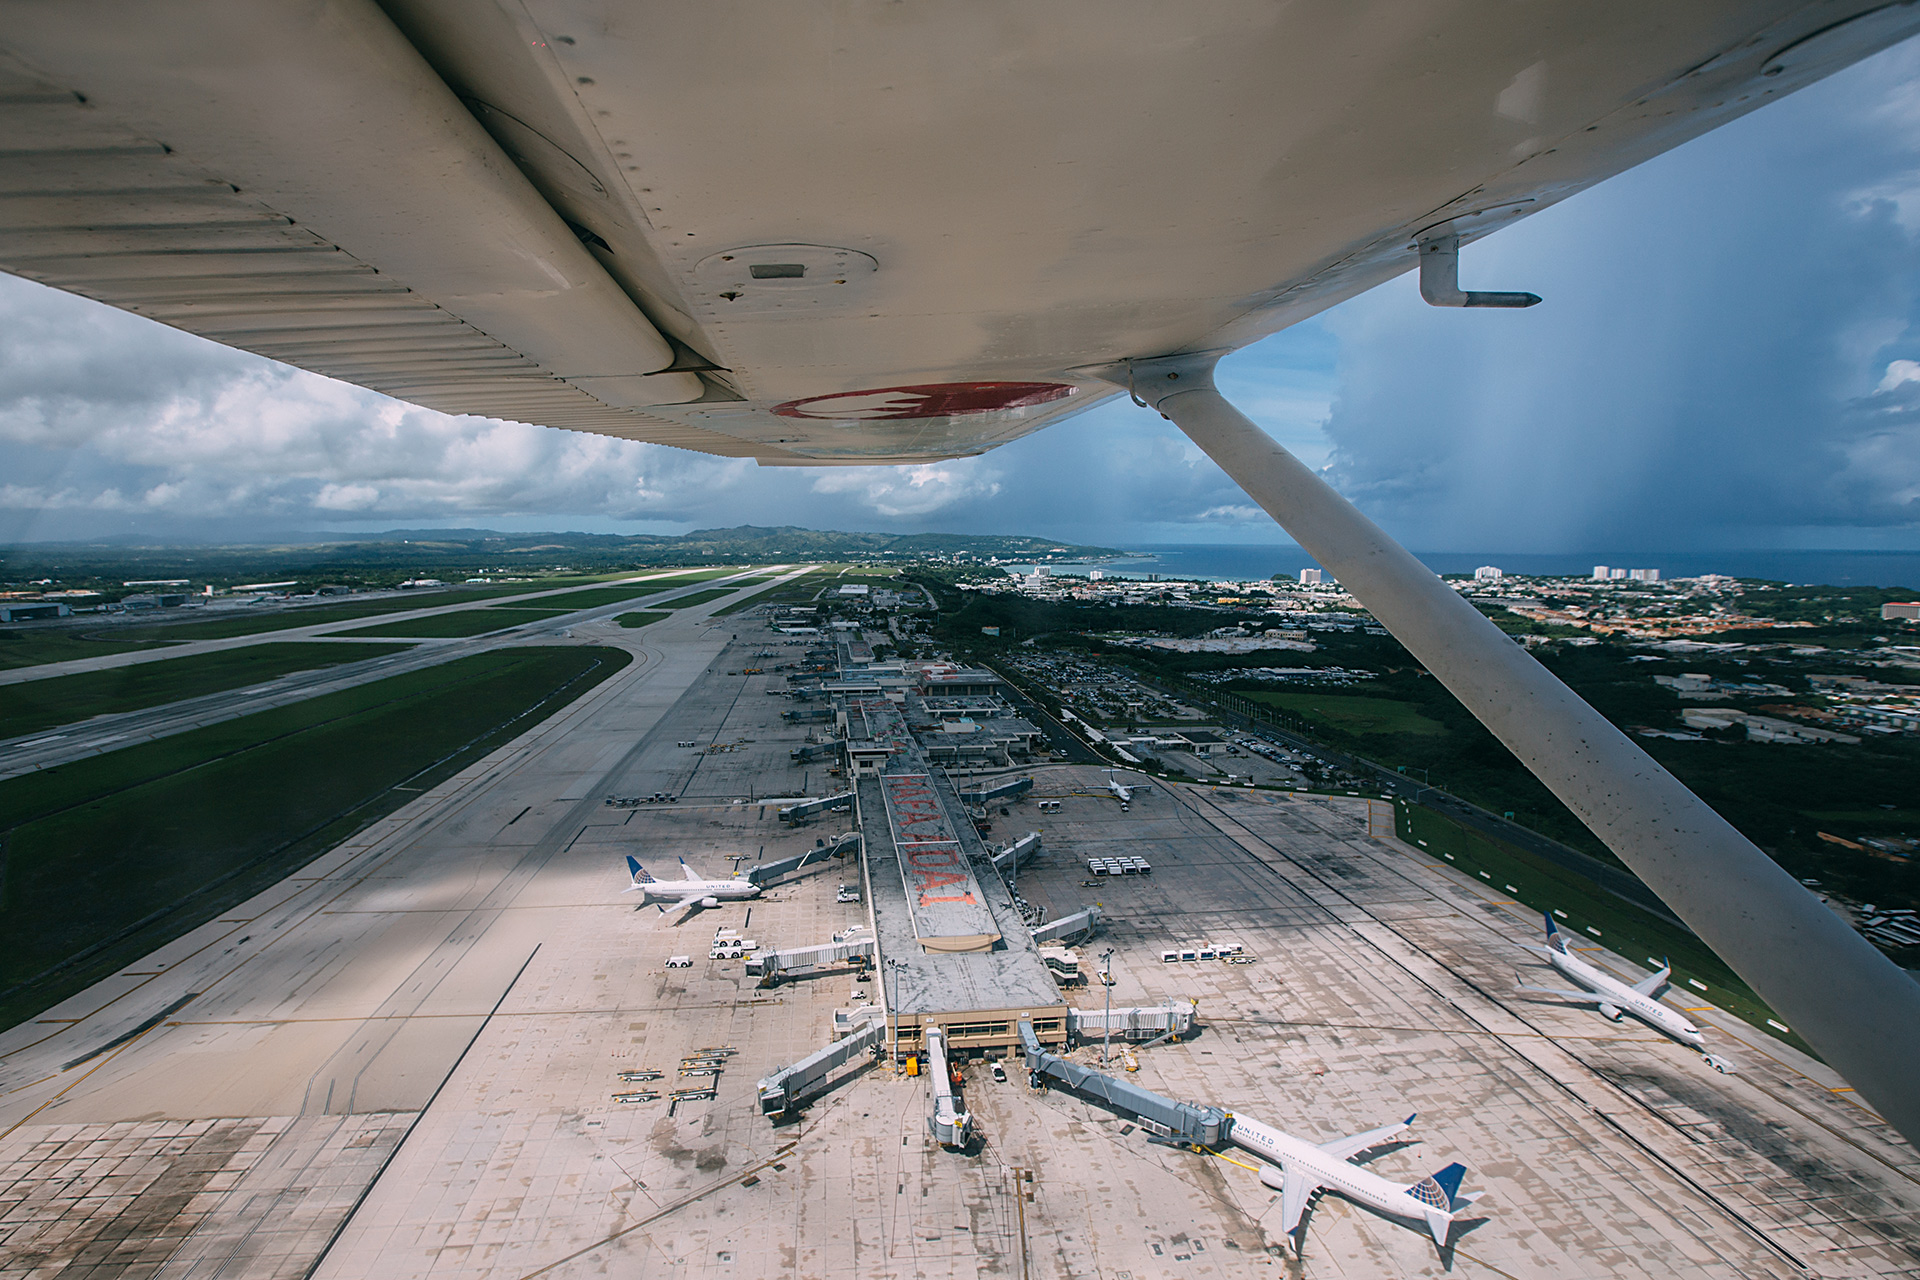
<point>107,1054</point>
<point>313,1268</point>
<point>658,1214</point>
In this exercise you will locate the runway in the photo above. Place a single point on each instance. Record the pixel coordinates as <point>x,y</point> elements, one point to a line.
<point>112,732</point>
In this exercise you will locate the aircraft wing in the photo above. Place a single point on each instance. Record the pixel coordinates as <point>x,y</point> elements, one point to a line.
<point>679,911</point>
<point>1349,1147</point>
<point>1655,985</point>
<point>689,872</point>
<point>1295,1188</point>
<point>1582,997</point>
<point>775,232</point>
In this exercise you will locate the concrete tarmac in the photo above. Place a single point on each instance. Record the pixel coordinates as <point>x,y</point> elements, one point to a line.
<point>404,1061</point>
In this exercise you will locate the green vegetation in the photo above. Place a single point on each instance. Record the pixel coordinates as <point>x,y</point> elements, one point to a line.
<point>597,596</point>
<point>31,648</point>
<point>641,619</point>
<point>467,622</point>
<point>1354,714</point>
<point>1586,910</point>
<point>1821,604</point>
<point>697,598</point>
<point>107,858</point>
<point>43,704</point>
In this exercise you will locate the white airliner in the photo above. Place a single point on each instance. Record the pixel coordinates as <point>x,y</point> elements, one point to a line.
<point>845,232</point>
<point>688,895</point>
<point>1612,996</point>
<point>1123,792</point>
<point>1307,1167</point>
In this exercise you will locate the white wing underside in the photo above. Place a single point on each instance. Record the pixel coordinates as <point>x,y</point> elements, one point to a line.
<point>1578,997</point>
<point>1349,1147</point>
<point>547,211</point>
<point>1655,985</point>
<point>1295,1188</point>
<point>679,911</point>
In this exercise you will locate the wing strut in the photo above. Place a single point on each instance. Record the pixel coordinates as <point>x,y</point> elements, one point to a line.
<point>1850,1002</point>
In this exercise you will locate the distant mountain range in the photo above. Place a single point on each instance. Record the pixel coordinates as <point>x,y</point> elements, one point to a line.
<point>442,551</point>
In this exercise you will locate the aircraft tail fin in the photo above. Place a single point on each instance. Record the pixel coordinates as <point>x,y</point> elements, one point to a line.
<point>1439,1197</point>
<point>1555,939</point>
<point>1448,1180</point>
<point>638,872</point>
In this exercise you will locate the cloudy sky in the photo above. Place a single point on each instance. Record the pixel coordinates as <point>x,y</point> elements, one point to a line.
<point>1728,358</point>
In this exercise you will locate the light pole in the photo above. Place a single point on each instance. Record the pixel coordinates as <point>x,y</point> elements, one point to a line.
<point>893,1004</point>
<point>1106,980</point>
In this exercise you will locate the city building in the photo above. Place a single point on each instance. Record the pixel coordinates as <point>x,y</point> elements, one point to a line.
<point>1487,573</point>
<point>1310,577</point>
<point>1907,610</point>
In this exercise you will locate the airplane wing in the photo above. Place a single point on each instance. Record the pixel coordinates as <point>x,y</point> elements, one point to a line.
<point>1294,1191</point>
<point>1582,997</point>
<point>1349,1147</point>
<point>679,911</point>
<point>688,871</point>
<point>676,224</point>
<point>1655,985</point>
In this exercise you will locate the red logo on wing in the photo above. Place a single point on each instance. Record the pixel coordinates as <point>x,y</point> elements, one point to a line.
<point>935,400</point>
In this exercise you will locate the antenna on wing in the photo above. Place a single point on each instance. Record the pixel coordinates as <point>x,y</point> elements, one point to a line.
<point>1440,274</point>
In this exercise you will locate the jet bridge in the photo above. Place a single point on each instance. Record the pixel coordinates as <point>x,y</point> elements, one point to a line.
<point>813,750</point>
<point>772,966</point>
<point>1199,1126</point>
<point>951,1126</point>
<point>1069,929</point>
<point>787,1088</point>
<point>1140,1022</point>
<point>843,843</point>
<point>793,814</point>
<point>1005,790</point>
<point>1021,850</point>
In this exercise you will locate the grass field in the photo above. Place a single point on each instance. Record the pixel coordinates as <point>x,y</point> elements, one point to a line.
<point>1583,909</point>
<point>641,619</point>
<point>45,704</point>
<point>1351,712</point>
<point>34,646</point>
<point>279,619</point>
<point>467,622</point>
<point>276,619</point>
<point>697,598</point>
<point>104,859</point>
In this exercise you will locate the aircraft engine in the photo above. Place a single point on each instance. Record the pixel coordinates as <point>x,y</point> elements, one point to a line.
<point>1273,1177</point>
<point>1611,1012</point>
<point>709,902</point>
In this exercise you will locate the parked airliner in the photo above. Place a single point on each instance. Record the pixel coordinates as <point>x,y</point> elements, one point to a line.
<point>1123,792</point>
<point>1612,996</point>
<point>1306,1168</point>
<point>688,895</point>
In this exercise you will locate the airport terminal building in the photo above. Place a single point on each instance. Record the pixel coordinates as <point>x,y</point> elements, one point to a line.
<point>954,951</point>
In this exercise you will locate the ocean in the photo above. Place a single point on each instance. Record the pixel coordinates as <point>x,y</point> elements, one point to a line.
<point>1241,562</point>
